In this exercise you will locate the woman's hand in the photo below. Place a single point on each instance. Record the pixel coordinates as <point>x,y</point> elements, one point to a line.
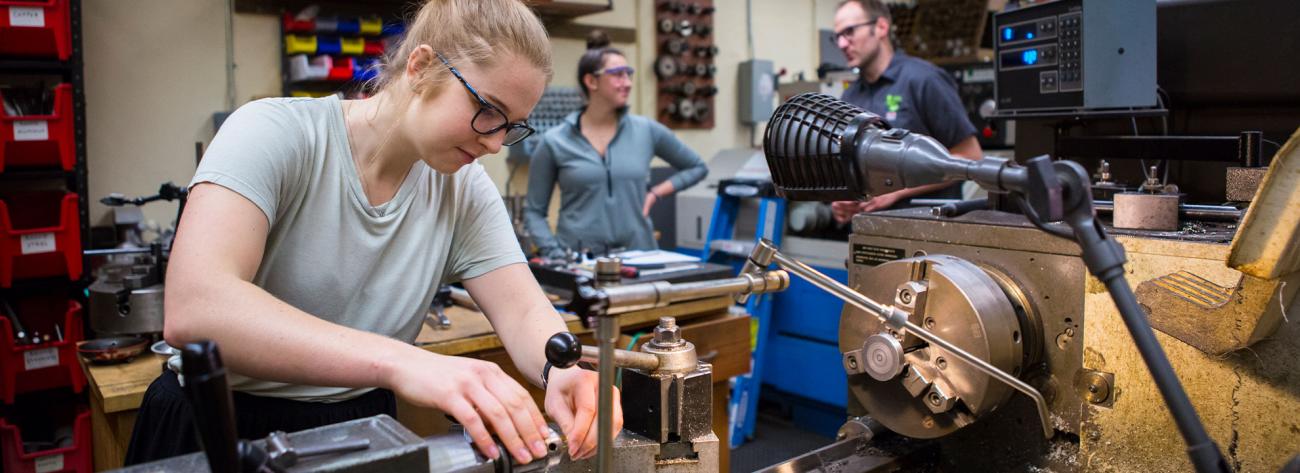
<point>650,200</point>
<point>478,394</point>
<point>571,398</point>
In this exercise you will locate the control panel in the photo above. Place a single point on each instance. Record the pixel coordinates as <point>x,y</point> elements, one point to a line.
<point>1073,55</point>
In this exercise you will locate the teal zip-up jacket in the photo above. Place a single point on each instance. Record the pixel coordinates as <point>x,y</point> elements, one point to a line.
<point>601,199</point>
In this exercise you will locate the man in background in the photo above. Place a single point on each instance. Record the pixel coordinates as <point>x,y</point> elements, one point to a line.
<point>907,92</point>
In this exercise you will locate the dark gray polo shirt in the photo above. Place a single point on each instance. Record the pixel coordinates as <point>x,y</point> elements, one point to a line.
<point>920,97</point>
<point>915,95</point>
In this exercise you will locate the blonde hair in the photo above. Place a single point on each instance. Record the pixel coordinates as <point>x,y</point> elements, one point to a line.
<point>473,31</point>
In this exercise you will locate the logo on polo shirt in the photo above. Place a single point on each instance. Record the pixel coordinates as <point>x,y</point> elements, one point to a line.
<point>892,103</point>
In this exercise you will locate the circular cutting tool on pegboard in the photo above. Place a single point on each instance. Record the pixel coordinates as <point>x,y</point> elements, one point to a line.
<point>685,68</point>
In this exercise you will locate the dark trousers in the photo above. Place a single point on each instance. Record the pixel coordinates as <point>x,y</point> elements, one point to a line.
<point>164,426</point>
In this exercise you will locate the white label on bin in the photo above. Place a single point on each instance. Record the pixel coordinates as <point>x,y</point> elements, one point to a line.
<point>49,463</point>
<point>38,243</point>
<point>26,16</point>
<point>31,130</point>
<point>43,358</point>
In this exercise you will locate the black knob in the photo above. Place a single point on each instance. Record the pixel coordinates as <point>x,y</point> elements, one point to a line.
<point>563,350</point>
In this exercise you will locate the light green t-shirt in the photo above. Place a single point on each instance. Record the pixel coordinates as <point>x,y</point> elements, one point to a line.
<point>330,253</point>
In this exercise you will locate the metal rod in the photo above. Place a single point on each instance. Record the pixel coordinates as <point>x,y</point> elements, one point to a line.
<point>116,251</point>
<point>1218,212</point>
<point>606,337</point>
<point>623,358</point>
<point>659,293</point>
<point>865,303</point>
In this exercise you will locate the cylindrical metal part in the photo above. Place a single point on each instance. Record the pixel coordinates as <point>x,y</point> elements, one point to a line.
<point>1146,211</point>
<point>608,271</point>
<point>623,358</point>
<point>606,337</point>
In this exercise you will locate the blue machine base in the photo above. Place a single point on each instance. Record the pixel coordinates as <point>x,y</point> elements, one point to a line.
<point>806,414</point>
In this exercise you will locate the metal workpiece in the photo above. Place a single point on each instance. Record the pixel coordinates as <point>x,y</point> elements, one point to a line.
<point>1145,211</point>
<point>608,271</point>
<point>634,297</point>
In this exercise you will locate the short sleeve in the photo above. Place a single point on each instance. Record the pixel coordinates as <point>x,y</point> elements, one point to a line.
<point>483,239</point>
<point>945,116</point>
<point>258,153</point>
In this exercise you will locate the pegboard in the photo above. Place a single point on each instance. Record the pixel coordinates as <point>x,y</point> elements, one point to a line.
<point>684,63</point>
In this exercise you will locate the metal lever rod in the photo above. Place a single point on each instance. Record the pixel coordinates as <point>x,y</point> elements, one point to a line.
<point>623,358</point>
<point>893,317</point>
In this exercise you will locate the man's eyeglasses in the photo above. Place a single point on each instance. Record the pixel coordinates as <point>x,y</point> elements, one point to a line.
<point>848,31</point>
<point>620,71</point>
<point>489,119</point>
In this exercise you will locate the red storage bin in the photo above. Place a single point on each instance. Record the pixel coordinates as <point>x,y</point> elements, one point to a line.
<point>40,140</point>
<point>292,25</point>
<point>53,364</point>
<point>77,458</point>
<point>35,29</point>
<point>374,47</point>
<point>342,69</point>
<point>40,236</point>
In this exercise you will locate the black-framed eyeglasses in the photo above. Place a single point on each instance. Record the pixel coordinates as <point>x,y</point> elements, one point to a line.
<point>489,119</point>
<point>849,30</point>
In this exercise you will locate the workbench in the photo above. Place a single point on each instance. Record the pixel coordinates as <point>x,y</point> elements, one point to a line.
<point>116,391</point>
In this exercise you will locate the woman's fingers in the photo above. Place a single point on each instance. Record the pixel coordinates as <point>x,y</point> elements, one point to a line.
<point>528,421</point>
<point>496,414</point>
<point>465,413</point>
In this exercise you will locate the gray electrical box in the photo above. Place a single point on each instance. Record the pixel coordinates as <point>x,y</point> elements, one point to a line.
<point>757,91</point>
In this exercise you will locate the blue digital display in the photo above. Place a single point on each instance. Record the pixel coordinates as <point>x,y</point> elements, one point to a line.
<point>1022,32</point>
<point>1025,58</point>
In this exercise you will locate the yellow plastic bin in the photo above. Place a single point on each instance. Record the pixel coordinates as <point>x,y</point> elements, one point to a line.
<point>299,44</point>
<point>352,46</point>
<point>372,26</point>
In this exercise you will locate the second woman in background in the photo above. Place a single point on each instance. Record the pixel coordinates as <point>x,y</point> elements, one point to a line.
<point>600,156</point>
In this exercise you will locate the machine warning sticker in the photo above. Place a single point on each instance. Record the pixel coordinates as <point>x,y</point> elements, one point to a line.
<point>871,255</point>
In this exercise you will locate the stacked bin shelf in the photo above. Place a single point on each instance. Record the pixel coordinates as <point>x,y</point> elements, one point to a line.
<point>327,54</point>
<point>45,426</point>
